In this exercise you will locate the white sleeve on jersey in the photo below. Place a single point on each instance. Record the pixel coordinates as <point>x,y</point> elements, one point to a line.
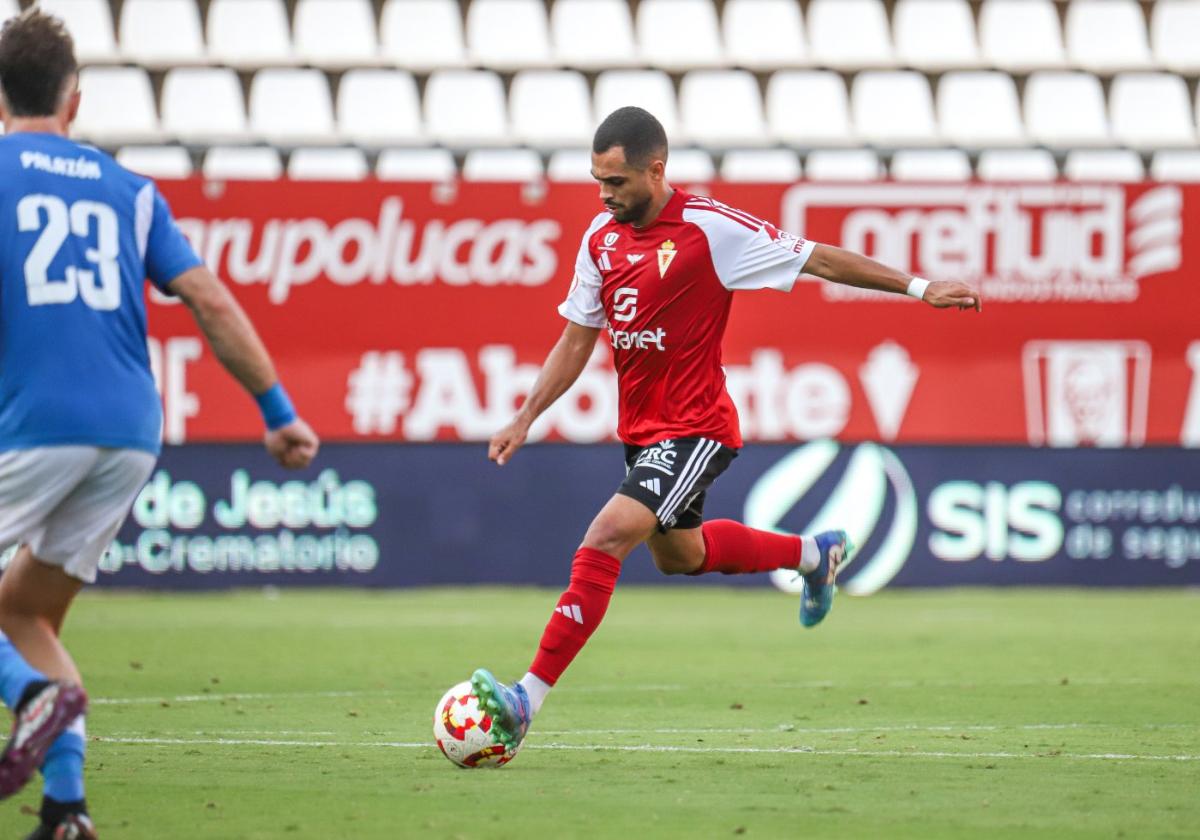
<point>583,305</point>
<point>748,253</point>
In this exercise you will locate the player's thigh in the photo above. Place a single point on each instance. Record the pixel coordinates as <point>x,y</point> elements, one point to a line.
<point>30,589</point>
<point>622,524</point>
<point>86,521</point>
<point>677,552</point>
<point>33,483</point>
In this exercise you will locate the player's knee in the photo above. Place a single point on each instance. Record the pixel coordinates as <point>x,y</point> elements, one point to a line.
<point>611,536</point>
<point>676,564</point>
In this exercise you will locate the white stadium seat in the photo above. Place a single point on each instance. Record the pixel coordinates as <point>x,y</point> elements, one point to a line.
<point>117,105</point>
<point>574,25</point>
<point>678,34</point>
<point>377,107</point>
<point>422,35</point>
<point>935,34</point>
<point>466,108</point>
<point>690,166</point>
<point>162,33</point>
<point>1016,165</point>
<point>722,108</point>
<point>291,106</point>
<point>849,34</point>
<point>1021,35</point>
<point>327,164</point>
<point>242,163</point>
<point>764,34</point>
<point>415,165</point>
<point>203,104</point>
<point>249,33</point>
<point>550,108</point>
<point>893,108</point>
<point>156,161</point>
<point>931,165</point>
<point>508,34</point>
<point>336,33</point>
<point>1151,110</point>
<point>90,23</point>
<point>809,108</point>
<point>1176,165</point>
<point>843,165</point>
<point>1119,165</point>
<point>1065,109</point>
<point>521,165</point>
<point>761,165</point>
<point>570,166</point>
<point>980,108</point>
<point>649,89</point>
<point>1175,32</point>
<point>1107,35</point>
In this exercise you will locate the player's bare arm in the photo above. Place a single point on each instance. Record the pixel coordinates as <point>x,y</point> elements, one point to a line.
<point>238,347</point>
<point>560,370</point>
<point>850,269</point>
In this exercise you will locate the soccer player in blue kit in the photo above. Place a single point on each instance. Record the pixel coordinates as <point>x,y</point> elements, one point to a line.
<point>80,420</point>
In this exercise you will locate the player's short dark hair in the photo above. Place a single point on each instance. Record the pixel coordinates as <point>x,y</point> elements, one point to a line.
<point>37,56</point>
<point>637,131</point>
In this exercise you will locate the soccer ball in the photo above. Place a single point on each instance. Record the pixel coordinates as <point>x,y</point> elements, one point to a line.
<point>463,731</point>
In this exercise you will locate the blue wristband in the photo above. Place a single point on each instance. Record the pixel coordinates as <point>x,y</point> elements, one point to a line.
<point>276,407</point>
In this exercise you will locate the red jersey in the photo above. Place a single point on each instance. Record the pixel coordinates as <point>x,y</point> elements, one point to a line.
<point>664,293</point>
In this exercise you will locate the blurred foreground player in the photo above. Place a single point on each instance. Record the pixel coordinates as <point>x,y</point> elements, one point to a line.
<point>80,420</point>
<point>658,268</point>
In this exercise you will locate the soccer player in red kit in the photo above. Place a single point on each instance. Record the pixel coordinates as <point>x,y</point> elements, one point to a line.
<point>658,268</point>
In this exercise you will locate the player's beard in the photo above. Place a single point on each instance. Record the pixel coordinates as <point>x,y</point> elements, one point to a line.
<point>626,213</point>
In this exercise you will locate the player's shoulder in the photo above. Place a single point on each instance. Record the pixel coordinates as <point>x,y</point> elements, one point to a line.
<point>74,162</point>
<point>715,216</point>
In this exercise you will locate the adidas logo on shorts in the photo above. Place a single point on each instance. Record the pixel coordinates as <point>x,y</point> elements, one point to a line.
<point>653,485</point>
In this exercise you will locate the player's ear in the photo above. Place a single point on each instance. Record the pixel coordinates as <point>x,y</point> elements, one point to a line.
<point>657,170</point>
<point>73,105</point>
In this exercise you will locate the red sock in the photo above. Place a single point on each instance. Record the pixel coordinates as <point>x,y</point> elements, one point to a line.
<point>732,548</point>
<point>578,614</point>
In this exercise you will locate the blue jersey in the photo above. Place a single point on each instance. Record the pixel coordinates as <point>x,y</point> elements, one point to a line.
<point>79,235</point>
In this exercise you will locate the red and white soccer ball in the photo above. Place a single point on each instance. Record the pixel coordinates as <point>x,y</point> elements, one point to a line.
<point>464,731</point>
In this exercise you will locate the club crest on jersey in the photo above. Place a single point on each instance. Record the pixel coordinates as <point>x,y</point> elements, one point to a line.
<point>666,255</point>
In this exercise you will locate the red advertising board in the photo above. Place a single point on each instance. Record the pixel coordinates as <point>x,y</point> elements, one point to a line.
<point>422,312</point>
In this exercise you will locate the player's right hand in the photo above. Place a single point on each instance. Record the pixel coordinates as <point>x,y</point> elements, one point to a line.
<point>507,441</point>
<point>294,446</point>
<point>944,294</point>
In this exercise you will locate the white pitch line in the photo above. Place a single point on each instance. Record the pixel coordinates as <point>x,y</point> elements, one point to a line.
<point>653,748</point>
<point>785,686</point>
<point>842,730</point>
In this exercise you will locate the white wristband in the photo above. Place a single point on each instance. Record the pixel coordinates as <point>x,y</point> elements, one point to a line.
<point>917,287</point>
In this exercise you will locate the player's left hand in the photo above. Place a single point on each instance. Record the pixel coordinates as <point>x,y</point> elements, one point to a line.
<point>294,446</point>
<point>947,293</point>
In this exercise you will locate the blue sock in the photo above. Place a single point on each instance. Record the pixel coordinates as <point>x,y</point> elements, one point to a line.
<point>62,771</point>
<point>15,673</point>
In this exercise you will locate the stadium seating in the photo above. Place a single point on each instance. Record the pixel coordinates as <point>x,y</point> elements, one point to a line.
<point>935,34</point>
<point>327,164</point>
<point>422,35</point>
<point>415,165</point>
<point>204,105</point>
<point>758,83</point>
<point>574,25</point>
<point>761,165</point>
<point>502,165</point>
<point>336,33</point>
<point>763,34</point>
<point>931,165</point>
<point>249,33</point>
<point>242,163</point>
<point>156,161</point>
<point>1176,165</point>
<point>1120,165</point>
<point>378,107</point>
<point>161,33</point>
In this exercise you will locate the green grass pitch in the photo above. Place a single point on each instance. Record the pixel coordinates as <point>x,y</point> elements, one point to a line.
<point>694,712</point>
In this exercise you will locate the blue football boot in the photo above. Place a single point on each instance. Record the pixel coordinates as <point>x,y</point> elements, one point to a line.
<point>819,584</point>
<point>508,707</point>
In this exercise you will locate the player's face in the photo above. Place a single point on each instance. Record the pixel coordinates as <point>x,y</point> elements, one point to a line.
<point>626,191</point>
